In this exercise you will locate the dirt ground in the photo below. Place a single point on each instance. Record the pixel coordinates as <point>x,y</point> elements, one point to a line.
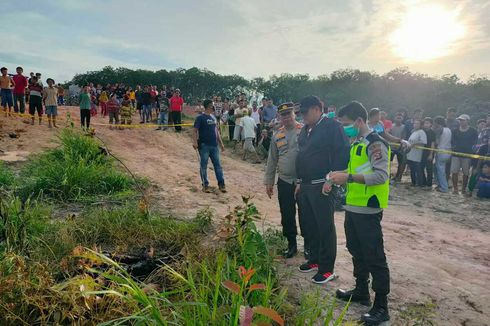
<point>438,245</point>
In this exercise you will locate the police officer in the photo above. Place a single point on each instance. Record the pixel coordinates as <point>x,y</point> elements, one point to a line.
<point>323,147</point>
<point>282,157</point>
<point>367,180</point>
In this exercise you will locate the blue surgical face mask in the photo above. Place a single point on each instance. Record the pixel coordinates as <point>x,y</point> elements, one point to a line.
<point>331,115</point>
<point>351,130</point>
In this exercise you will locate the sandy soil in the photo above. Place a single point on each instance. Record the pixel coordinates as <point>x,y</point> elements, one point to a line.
<point>437,244</point>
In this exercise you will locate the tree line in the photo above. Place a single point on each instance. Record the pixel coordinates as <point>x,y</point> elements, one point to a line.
<point>396,90</point>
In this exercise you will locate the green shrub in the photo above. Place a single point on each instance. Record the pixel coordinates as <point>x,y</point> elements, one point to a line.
<point>6,176</point>
<point>78,169</point>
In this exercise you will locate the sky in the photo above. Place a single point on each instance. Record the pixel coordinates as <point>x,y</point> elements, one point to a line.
<point>252,38</point>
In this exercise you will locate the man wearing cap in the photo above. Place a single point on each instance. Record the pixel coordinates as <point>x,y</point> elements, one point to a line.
<point>463,139</point>
<point>282,157</point>
<point>323,147</point>
<point>368,188</point>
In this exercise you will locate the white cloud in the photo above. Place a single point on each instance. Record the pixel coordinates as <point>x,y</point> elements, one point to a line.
<point>247,37</point>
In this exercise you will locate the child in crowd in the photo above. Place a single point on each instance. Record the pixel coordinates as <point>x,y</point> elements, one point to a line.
<point>35,99</point>
<point>163,115</point>
<point>483,184</point>
<point>126,110</point>
<point>6,86</point>
<point>103,99</point>
<point>93,105</point>
<point>113,110</point>
<point>50,98</point>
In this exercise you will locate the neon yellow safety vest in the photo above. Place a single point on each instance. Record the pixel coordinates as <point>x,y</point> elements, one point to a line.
<point>359,194</point>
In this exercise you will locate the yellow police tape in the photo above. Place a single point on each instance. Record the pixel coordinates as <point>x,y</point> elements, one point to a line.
<point>142,125</point>
<point>445,151</point>
<point>152,125</point>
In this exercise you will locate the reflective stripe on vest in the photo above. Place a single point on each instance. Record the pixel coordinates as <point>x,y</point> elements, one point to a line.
<point>359,194</point>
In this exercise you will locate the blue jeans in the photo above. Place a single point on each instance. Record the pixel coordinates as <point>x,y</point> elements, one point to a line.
<point>441,160</point>
<point>146,113</point>
<point>19,98</point>
<point>163,118</point>
<point>206,152</point>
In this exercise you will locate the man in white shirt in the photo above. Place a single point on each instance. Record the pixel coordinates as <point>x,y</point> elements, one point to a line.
<point>248,128</point>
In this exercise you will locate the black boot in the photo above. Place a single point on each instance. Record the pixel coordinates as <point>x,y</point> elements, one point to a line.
<point>378,313</point>
<point>292,249</point>
<point>359,294</point>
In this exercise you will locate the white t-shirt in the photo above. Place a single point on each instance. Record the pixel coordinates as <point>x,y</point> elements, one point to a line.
<point>417,137</point>
<point>444,140</point>
<point>256,116</point>
<point>249,125</point>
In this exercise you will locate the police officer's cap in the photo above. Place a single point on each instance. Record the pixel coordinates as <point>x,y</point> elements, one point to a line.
<point>285,108</point>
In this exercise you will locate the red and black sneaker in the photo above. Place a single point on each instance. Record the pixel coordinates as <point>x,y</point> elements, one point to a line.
<point>308,267</point>
<point>323,278</point>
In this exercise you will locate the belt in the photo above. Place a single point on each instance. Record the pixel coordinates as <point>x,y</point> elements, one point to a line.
<point>314,182</point>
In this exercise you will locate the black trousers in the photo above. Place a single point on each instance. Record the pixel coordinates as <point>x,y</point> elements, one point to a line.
<point>231,130</point>
<point>287,205</point>
<point>317,224</point>
<point>416,173</point>
<point>177,119</point>
<point>427,171</point>
<point>365,243</point>
<point>85,118</point>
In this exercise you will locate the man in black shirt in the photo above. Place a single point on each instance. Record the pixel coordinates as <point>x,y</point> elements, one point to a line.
<point>323,147</point>
<point>463,139</point>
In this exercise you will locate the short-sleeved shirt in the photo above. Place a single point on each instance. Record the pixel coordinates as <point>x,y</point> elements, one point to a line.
<point>51,96</point>
<point>206,127</point>
<point>84,101</point>
<point>35,89</point>
<point>463,141</point>
<point>176,103</point>
<point>248,124</point>
<point>444,139</point>
<point>20,84</point>
<point>417,137</point>
<point>269,113</point>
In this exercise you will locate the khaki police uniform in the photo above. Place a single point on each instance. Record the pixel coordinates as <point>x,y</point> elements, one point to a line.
<point>282,158</point>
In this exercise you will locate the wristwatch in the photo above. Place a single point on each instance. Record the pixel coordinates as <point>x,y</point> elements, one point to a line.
<point>350,178</point>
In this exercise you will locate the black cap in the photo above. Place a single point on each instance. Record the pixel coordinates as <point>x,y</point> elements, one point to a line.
<point>308,102</point>
<point>285,108</point>
<point>47,80</point>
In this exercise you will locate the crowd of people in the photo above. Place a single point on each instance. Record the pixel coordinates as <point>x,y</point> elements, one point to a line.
<point>312,152</point>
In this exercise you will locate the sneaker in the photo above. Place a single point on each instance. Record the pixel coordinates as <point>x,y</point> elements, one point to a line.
<point>308,267</point>
<point>323,278</point>
<point>222,188</point>
<point>206,189</point>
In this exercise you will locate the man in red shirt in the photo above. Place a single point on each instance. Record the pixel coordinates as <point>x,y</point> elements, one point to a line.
<point>176,103</point>
<point>19,91</point>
